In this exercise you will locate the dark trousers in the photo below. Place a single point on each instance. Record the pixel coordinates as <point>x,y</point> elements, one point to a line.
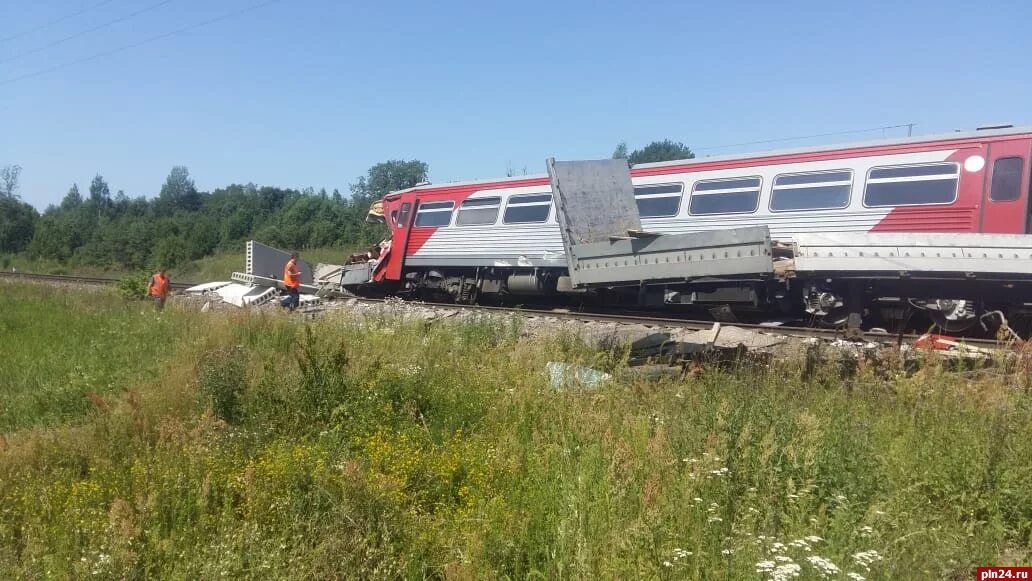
<point>159,303</point>
<point>293,299</point>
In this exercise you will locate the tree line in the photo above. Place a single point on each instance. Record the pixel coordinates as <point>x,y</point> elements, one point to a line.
<point>182,224</point>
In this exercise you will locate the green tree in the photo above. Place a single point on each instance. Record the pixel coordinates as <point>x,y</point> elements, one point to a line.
<point>178,193</point>
<point>621,150</point>
<point>391,176</point>
<point>169,252</point>
<point>9,176</point>
<point>73,199</point>
<point>665,150</point>
<point>100,193</point>
<point>17,224</point>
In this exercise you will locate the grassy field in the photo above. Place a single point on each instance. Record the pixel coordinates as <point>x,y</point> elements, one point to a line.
<point>216,267</point>
<point>202,445</point>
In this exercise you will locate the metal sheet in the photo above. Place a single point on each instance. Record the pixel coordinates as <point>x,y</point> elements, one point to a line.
<point>355,274</point>
<point>267,261</point>
<point>676,257</point>
<point>594,199</point>
<point>914,253</point>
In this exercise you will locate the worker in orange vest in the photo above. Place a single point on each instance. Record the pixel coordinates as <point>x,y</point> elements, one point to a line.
<point>158,288</point>
<point>292,282</point>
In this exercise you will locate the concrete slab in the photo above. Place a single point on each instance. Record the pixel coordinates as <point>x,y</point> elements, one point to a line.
<point>234,293</point>
<point>206,287</point>
<point>262,260</point>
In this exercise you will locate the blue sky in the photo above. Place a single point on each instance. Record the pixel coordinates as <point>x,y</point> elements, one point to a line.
<point>313,92</point>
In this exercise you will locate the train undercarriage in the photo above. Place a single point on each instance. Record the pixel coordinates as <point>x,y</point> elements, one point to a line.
<point>885,304</point>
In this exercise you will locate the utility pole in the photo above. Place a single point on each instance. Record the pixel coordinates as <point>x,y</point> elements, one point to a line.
<point>910,129</point>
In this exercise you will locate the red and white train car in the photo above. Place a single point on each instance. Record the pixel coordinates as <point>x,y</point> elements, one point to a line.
<point>502,236</point>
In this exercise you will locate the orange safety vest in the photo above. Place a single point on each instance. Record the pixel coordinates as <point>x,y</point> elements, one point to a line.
<point>159,286</point>
<point>291,275</point>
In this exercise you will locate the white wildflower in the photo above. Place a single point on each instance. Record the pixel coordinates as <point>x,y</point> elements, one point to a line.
<point>866,531</point>
<point>799,544</point>
<point>856,576</point>
<point>681,554</point>
<point>715,519</point>
<point>765,566</point>
<point>777,547</point>
<point>667,564</point>
<point>786,571</point>
<point>824,566</point>
<point>727,551</point>
<point>697,499</point>
<point>782,559</point>
<point>840,498</point>
<point>813,539</point>
<point>866,558</point>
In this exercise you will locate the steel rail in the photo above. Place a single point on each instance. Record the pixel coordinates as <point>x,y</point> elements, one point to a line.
<point>77,279</point>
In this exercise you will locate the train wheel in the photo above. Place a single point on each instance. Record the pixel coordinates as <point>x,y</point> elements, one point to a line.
<point>953,316</point>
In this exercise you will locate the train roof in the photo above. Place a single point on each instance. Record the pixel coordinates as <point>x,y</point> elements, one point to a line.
<point>955,136</point>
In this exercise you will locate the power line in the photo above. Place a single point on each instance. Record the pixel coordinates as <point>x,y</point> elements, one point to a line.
<point>909,126</point>
<point>53,22</point>
<point>140,43</point>
<point>87,31</point>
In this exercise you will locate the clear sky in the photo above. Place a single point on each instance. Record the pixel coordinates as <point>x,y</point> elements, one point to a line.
<point>312,92</point>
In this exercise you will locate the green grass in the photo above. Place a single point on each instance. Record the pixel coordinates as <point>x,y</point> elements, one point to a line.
<point>218,266</point>
<point>58,346</point>
<point>266,447</point>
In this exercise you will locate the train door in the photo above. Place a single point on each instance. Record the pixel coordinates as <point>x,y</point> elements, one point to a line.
<point>399,221</point>
<point>1006,196</point>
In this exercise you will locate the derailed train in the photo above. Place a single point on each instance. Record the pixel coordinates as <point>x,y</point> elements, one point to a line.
<point>955,198</point>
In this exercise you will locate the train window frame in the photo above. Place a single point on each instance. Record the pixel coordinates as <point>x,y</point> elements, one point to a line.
<point>870,170</point>
<point>517,197</point>
<point>403,214</point>
<point>497,206</point>
<point>679,195</point>
<point>849,194</point>
<point>694,192</point>
<point>1017,187</point>
<point>422,210</point>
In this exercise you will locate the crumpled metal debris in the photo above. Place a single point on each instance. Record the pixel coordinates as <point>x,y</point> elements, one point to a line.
<point>564,375</point>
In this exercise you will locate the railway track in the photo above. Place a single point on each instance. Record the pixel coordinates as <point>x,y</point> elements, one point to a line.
<point>76,279</point>
<point>566,314</point>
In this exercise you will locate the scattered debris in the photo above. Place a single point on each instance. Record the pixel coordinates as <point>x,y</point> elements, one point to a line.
<point>951,347</point>
<point>563,375</point>
<point>654,349</point>
<point>260,283</point>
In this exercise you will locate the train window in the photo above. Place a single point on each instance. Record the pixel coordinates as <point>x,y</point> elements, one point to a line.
<point>1006,186</point>
<point>478,212</point>
<point>406,209</point>
<point>726,196</point>
<point>910,185</point>
<point>826,190</point>
<point>658,200</point>
<point>434,214</point>
<point>528,208</point>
